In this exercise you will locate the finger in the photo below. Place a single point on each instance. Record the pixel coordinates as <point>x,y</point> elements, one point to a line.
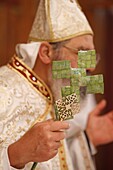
<point>99,107</point>
<point>57,136</point>
<point>59,125</point>
<point>49,121</point>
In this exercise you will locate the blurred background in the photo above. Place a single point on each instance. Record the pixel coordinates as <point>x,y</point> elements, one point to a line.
<point>16,17</point>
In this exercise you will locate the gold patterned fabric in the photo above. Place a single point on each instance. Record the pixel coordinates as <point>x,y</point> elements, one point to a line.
<point>22,103</point>
<point>58,20</point>
<point>24,100</point>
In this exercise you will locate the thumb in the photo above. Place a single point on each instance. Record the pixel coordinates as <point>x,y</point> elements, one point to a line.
<point>99,107</point>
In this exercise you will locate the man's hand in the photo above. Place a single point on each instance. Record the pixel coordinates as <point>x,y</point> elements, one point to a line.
<point>100,127</point>
<point>39,144</point>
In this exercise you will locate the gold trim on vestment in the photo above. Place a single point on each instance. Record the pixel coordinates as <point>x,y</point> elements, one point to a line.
<point>60,39</point>
<point>49,19</point>
<point>36,83</point>
<point>29,74</point>
<point>62,157</point>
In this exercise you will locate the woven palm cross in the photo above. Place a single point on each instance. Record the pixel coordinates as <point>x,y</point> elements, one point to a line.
<point>78,78</point>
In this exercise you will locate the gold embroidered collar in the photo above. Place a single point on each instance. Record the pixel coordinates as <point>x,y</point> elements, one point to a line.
<point>28,74</point>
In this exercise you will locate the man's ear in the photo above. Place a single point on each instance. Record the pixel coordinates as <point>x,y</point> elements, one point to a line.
<point>45,52</point>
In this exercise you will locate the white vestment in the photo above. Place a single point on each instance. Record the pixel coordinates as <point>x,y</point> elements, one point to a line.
<point>25,99</point>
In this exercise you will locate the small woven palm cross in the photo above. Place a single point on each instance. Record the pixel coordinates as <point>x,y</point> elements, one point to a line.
<point>67,107</point>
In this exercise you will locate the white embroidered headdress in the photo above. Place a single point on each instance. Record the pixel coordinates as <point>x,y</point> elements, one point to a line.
<point>58,20</point>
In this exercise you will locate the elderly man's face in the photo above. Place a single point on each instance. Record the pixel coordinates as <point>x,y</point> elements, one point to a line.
<point>70,52</point>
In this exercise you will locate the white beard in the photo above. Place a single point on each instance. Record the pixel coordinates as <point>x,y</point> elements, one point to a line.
<point>57,84</point>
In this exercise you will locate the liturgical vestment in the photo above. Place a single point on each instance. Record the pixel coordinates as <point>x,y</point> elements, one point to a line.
<point>24,100</point>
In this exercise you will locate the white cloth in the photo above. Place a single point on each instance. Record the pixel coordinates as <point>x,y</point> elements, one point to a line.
<point>80,120</point>
<point>25,105</point>
<point>28,52</point>
<point>21,105</point>
<point>75,135</point>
